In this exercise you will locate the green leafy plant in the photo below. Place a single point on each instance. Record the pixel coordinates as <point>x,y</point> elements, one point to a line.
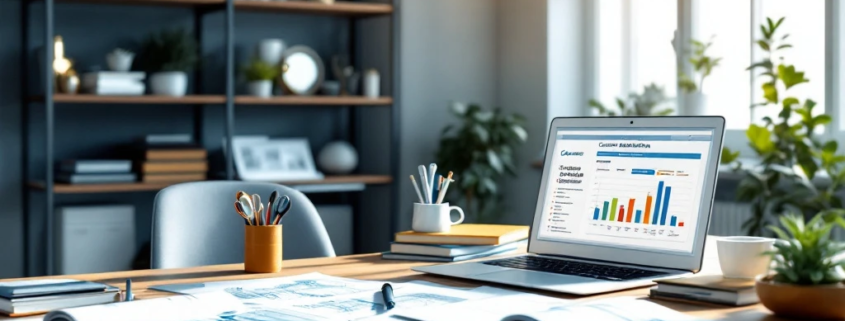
<point>480,151</point>
<point>652,97</point>
<point>790,152</point>
<point>169,50</point>
<point>805,253</point>
<point>701,63</point>
<point>257,70</point>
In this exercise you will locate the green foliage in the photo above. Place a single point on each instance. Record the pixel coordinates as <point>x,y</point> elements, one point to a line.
<point>169,50</point>
<point>791,153</point>
<point>644,104</point>
<point>480,152</point>
<point>701,63</point>
<point>805,254</point>
<point>257,69</point>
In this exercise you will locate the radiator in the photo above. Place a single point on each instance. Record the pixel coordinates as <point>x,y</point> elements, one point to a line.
<point>728,217</point>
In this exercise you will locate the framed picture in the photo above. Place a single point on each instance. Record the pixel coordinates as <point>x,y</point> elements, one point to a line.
<point>263,159</point>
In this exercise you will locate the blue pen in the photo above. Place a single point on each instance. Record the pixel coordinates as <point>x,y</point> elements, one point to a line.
<point>129,295</point>
<point>435,190</point>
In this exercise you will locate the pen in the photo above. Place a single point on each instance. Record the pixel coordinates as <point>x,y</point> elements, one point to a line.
<point>272,200</point>
<point>129,296</point>
<point>417,189</point>
<point>387,294</point>
<point>444,189</point>
<point>436,188</point>
<point>432,171</point>
<point>425,186</point>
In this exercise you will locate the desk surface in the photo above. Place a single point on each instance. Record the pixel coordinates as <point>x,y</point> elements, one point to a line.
<point>372,267</point>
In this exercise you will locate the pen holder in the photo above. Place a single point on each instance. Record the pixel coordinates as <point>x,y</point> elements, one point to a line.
<point>263,249</point>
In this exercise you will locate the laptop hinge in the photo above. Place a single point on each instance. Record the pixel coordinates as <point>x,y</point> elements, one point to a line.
<point>613,262</point>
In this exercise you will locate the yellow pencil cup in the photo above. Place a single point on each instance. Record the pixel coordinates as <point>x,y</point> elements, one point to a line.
<point>263,249</point>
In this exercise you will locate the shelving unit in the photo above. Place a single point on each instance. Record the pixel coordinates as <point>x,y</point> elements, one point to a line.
<point>46,98</point>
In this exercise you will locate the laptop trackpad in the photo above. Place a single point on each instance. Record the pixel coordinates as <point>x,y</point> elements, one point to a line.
<point>533,279</point>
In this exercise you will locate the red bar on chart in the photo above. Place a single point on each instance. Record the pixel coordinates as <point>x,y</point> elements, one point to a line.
<point>681,224</point>
<point>621,217</point>
<point>630,211</point>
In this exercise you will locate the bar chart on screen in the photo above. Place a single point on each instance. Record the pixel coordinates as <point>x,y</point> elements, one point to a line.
<point>641,203</point>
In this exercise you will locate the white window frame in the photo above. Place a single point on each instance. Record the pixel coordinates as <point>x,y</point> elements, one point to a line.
<point>735,139</point>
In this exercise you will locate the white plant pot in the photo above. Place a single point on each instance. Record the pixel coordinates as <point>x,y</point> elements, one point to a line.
<point>695,103</point>
<point>270,51</point>
<point>169,83</point>
<point>260,88</point>
<point>119,61</point>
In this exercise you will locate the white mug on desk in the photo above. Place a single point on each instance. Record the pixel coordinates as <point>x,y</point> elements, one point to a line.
<point>435,218</point>
<point>742,256</point>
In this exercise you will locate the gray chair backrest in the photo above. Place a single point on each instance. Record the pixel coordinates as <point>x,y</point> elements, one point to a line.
<point>195,224</point>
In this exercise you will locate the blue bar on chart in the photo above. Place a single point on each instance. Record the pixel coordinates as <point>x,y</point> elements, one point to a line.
<point>673,221</point>
<point>639,212</point>
<point>596,214</point>
<point>657,203</point>
<point>665,205</point>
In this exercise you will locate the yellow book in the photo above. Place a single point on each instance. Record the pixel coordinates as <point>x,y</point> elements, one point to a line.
<point>468,234</point>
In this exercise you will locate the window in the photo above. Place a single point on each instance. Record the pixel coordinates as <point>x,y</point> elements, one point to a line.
<point>634,50</point>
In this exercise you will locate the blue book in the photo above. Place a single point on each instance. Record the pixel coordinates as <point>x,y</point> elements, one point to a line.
<point>446,250</point>
<point>499,249</point>
<point>35,288</point>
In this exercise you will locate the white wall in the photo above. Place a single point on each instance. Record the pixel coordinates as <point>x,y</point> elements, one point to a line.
<point>448,52</point>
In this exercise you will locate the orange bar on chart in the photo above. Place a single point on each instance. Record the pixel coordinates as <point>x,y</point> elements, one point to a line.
<point>630,210</point>
<point>647,209</point>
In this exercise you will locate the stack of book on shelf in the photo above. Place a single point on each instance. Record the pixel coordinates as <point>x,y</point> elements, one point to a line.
<point>114,83</point>
<point>21,298</point>
<point>96,171</point>
<point>172,159</point>
<point>463,242</point>
<point>708,289</point>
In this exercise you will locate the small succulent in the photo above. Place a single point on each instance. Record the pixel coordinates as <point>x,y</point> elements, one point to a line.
<point>805,254</point>
<point>257,70</point>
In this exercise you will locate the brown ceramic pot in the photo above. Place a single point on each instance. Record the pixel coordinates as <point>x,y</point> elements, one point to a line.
<point>802,301</point>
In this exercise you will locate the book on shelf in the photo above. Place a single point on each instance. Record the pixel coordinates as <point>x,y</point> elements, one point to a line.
<point>198,166</point>
<point>79,166</point>
<point>707,288</point>
<point>173,178</point>
<point>444,250</point>
<point>493,250</point>
<point>166,154</point>
<point>21,298</point>
<point>113,76</point>
<point>468,234</point>
<point>115,90</point>
<point>168,139</point>
<point>72,178</point>
<point>114,83</point>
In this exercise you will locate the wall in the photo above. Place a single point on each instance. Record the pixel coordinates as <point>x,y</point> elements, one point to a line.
<point>448,54</point>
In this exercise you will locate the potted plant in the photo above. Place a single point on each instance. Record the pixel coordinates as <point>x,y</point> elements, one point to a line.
<point>693,92</point>
<point>168,56</point>
<point>808,275</point>
<point>635,104</point>
<point>259,76</point>
<point>480,152</point>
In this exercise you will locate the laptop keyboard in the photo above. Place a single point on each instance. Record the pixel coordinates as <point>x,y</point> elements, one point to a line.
<point>560,266</point>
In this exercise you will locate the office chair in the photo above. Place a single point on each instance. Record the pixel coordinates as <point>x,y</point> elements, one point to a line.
<point>196,224</point>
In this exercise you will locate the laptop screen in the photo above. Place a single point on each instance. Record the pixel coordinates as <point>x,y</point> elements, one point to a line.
<point>628,188</point>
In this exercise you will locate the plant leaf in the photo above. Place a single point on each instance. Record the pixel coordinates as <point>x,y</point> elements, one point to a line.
<point>770,92</point>
<point>763,45</point>
<point>789,76</point>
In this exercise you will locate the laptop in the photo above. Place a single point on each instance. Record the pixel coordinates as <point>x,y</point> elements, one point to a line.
<point>623,201</point>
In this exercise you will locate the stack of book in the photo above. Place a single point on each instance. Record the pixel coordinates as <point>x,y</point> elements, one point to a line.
<point>20,298</point>
<point>462,242</point>
<point>96,171</point>
<point>114,83</point>
<point>706,288</point>
<point>172,159</point>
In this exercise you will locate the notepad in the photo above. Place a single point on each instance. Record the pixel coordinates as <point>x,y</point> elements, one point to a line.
<point>468,234</point>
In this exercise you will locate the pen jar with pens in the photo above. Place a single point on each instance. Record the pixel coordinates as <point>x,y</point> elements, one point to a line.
<point>262,231</point>
<point>431,214</point>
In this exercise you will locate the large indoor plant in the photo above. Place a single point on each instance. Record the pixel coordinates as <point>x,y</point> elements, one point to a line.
<point>651,102</point>
<point>808,271</point>
<point>169,55</point>
<point>259,76</point>
<point>692,86</point>
<point>788,150</point>
<point>480,151</point>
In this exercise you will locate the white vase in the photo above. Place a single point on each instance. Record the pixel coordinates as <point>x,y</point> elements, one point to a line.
<point>270,51</point>
<point>260,88</point>
<point>169,83</point>
<point>695,103</point>
<point>371,83</point>
<point>338,158</point>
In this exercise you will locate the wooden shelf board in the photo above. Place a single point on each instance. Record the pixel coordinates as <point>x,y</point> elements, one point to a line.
<point>313,100</point>
<point>63,188</point>
<point>315,7</point>
<point>145,99</point>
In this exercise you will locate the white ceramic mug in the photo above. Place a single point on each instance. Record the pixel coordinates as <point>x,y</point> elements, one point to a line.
<point>742,256</point>
<point>435,218</point>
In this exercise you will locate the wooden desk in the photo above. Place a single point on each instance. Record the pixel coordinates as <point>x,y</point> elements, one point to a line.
<point>372,267</point>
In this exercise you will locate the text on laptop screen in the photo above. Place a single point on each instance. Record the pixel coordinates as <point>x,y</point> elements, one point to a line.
<point>639,189</point>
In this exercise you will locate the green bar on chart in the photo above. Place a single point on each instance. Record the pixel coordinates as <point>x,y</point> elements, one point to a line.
<point>613,209</point>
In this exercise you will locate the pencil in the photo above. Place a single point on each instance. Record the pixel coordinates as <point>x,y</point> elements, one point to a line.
<point>417,189</point>
<point>443,190</point>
